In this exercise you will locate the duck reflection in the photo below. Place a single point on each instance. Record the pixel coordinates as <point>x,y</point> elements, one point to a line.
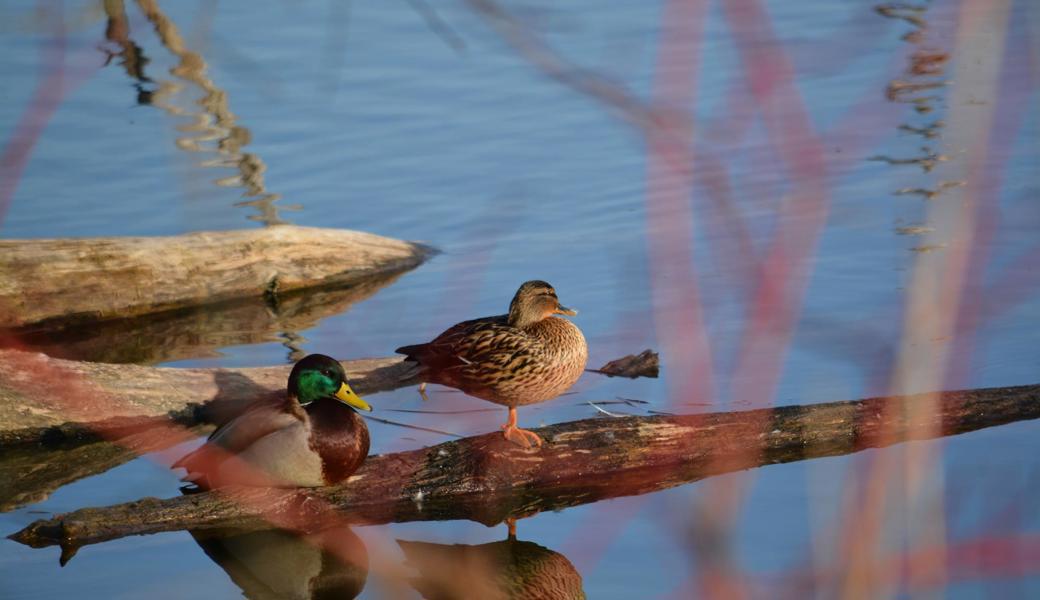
<point>509,569</point>
<point>279,564</point>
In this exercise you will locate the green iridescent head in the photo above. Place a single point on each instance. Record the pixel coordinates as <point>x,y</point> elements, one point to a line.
<point>319,376</point>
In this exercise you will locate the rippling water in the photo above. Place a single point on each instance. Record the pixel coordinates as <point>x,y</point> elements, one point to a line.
<point>545,143</point>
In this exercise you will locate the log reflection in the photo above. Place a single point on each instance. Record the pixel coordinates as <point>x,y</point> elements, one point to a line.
<point>198,332</point>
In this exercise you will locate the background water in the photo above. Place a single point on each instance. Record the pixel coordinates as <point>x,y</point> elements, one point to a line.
<point>458,131</point>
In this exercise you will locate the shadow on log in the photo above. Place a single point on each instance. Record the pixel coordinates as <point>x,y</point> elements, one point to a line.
<point>52,284</point>
<point>486,479</point>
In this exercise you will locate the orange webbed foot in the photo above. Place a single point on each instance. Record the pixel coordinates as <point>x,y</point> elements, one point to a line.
<point>520,437</point>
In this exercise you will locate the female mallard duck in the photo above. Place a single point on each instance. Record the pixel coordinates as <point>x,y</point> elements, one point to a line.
<point>524,357</point>
<point>310,439</point>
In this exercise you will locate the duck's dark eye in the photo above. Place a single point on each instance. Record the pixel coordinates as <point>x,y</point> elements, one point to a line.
<point>327,372</point>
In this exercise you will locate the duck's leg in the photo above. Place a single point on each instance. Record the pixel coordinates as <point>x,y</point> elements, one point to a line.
<point>422,392</point>
<point>520,437</point>
<point>511,524</point>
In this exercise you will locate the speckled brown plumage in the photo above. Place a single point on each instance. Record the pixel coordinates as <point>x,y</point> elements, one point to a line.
<point>523,357</point>
<point>505,570</point>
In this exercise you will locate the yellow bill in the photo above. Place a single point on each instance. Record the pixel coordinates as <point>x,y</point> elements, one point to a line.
<point>348,397</point>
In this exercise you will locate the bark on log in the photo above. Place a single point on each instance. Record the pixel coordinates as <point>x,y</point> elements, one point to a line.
<point>486,479</point>
<point>52,283</point>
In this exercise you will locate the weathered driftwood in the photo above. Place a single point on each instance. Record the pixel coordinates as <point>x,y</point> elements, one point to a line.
<point>52,283</point>
<point>486,479</point>
<point>199,331</point>
<point>50,399</point>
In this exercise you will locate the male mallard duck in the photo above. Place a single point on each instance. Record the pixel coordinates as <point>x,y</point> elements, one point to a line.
<point>523,357</point>
<point>310,439</point>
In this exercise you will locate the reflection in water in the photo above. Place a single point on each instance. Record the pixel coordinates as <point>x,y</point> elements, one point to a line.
<point>278,564</point>
<point>923,74</point>
<point>213,123</point>
<point>509,569</point>
<point>132,59</point>
<point>198,332</point>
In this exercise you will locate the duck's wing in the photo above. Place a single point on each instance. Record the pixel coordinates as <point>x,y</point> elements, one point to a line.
<point>254,424</point>
<point>234,437</point>
<point>476,341</point>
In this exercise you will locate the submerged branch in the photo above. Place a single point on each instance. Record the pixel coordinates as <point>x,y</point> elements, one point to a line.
<point>486,479</point>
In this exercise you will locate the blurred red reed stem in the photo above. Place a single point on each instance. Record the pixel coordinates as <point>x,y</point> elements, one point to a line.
<point>678,314</point>
<point>54,84</point>
<point>1017,84</point>
<point>676,306</point>
<point>940,293</point>
<point>783,276</point>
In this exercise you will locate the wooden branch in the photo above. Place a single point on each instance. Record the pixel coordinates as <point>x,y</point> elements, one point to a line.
<point>52,283</point>
<point>486,479</point>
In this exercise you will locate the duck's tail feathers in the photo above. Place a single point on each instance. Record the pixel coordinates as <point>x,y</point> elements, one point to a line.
<point>196,464</point>
<point>411,352</point>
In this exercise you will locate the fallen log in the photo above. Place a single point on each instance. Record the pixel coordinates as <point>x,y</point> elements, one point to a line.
<point>56,283</point>
<point>486,479</point>
<point>44,399</point>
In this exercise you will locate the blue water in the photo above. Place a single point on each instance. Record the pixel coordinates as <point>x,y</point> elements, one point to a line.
<point>368,119</point>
